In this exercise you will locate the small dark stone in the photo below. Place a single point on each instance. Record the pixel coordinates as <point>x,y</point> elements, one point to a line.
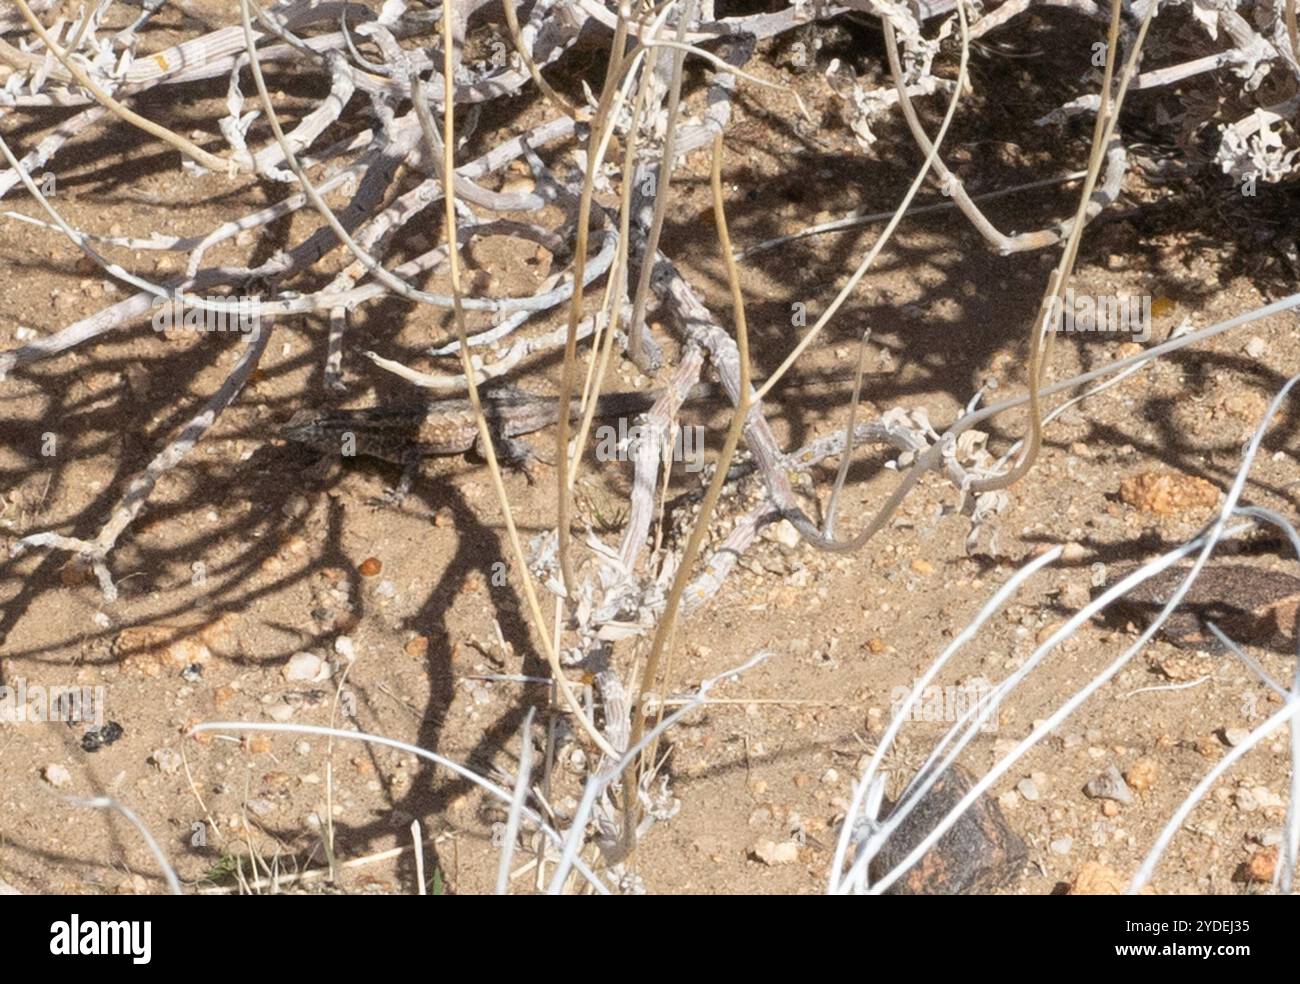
<point>192,673</point>
<point>978,853</point>
<point>96,738</point>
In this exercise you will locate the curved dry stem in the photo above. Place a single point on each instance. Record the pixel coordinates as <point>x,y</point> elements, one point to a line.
<point>1103,131</point>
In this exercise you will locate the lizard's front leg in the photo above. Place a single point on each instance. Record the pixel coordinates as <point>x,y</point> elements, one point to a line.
<point>514,453</point>
<point>398,493</point>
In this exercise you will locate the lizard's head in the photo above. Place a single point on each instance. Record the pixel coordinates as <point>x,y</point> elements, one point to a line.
<point>303,427</point>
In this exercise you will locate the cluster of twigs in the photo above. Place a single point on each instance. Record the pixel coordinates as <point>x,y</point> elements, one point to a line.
<point>391,73</point>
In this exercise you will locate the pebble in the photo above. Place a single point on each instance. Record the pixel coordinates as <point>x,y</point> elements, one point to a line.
<point>1062,845</point>
<point>979,853</point>
<point>344,646</point>
<point>97,738</point>
<point>1235,736</point>
<point>1074,595</point>
<point>1142,774</point>
<point>1167,493</point>
<point>577,762</point>
<point>785,534</point>
<point>168,760</point>
<point>1047,631</point>
<point>1095,878</point>
<point>771,853</point>
<point>1261,866</point>
<point>1207,747</point>
<point>294,507</point>
<point>1267,799</point>
<point>1028,789</point>
<point>307,668</point>
<point>282,713</point>
<point>1109,785</point>
<point>57,776</point>
<point>1252,798</point>
<point>1257,348</point>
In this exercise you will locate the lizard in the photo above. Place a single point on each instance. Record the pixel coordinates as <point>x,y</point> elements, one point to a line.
<point>1250,605</point>
<point>407,434</point>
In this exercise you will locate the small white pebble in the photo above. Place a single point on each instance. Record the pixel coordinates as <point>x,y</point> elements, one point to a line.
<point>786,535</point>
<point>306,667</point>
<point>1235,736</point>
